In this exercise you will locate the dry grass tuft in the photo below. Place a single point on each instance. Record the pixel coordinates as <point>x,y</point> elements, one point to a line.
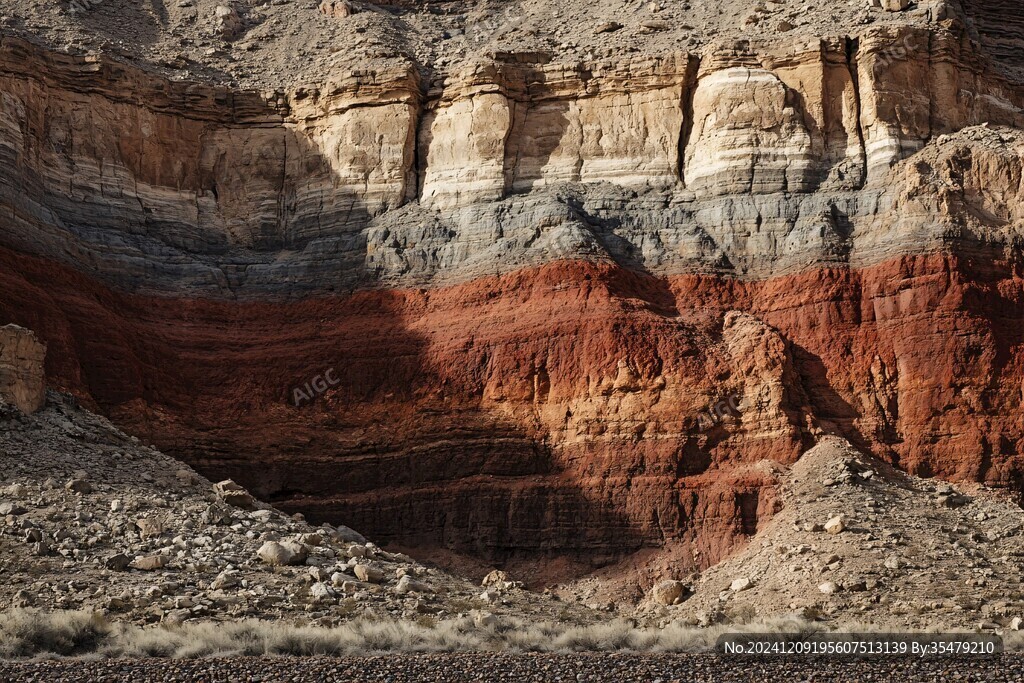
<point>27,632</point>
<point>31,633</point>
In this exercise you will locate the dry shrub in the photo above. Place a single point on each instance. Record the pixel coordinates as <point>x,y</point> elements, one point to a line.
<point>27,633</point>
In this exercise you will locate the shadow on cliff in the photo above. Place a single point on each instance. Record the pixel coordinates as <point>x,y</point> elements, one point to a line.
<point>281,195</point>
<point>829,409</point>
<point>633,280</point>
<point>543,126</point>
<point>394,446</point>
<point>397,445</point>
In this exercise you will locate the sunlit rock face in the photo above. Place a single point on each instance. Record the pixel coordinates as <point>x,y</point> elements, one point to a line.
<point>532,281</point>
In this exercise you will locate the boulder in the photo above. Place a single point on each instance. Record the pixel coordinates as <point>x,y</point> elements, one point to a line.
<point>78,485</point>
<point>23,599</point>
<point>312,539</point>
<point>495,578</point>
<point>835,525</point>
<point>407,584</point>
<point>150,563</point>
<point>893,5</point>
<point>233,494</point>
<point>217,514</point>
<point>338,9</point>
<point>16,491</point>
<point>321,592</point>
<point>607,27</point>
<point>226,579</point>
<point>226,22</point>
<point>281,554</point>
<point>953,500</point>
<point>368,573</point>
<point>118,562</point>
<point>740,584</point>
<point>11,509</point>
<point>668,592</point>
<point>148,528</point>
<point>483,619</point>
<point>263,516</point>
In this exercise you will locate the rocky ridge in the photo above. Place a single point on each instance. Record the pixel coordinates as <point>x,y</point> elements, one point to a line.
<point>265,45</point>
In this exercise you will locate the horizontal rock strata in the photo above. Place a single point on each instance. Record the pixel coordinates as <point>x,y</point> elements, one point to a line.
<point>522,413</point>
<point>501,312</point>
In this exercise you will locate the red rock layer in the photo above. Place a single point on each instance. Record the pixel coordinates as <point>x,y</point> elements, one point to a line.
<point>552,411</point>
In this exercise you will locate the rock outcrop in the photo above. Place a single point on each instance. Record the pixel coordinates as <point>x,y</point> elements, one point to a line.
<point>535,283</point>
<point>22,379</point>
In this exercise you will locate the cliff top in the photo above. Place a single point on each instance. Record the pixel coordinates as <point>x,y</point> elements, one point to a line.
<point>268,44</point>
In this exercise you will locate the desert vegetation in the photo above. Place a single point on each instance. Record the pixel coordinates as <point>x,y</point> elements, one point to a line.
<point>33,633</point>
<point>26,633</point>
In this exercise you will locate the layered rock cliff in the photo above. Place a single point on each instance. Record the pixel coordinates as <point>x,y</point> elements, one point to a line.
<point>532,280</point>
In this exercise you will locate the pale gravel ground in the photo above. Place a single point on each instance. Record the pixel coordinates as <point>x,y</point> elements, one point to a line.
<point>519,668</point>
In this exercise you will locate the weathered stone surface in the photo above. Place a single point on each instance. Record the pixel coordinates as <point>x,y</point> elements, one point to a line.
<point>78,485</point>
<point>22,382</point>
<point>495,577</point>
<point>226,22</point>
<point>407,584</point>
<point>233,494</point>
<point>339,9</point>
<point>280,554</point>
<point>668,592</point>
<point>740,584</point>
<point>150,563</point>
<point>368,573</point>
<point>149,527</point>
<point>835,525</point>
<point>585,258</point>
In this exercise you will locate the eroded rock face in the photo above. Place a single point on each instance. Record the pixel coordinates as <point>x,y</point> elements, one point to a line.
<point>530,280</point>
<point>22,382</point>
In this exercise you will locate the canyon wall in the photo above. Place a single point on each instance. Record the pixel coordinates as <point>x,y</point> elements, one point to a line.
<point>531,281</point>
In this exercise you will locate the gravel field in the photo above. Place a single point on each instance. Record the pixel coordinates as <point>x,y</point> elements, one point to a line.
<point>519,668</point>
